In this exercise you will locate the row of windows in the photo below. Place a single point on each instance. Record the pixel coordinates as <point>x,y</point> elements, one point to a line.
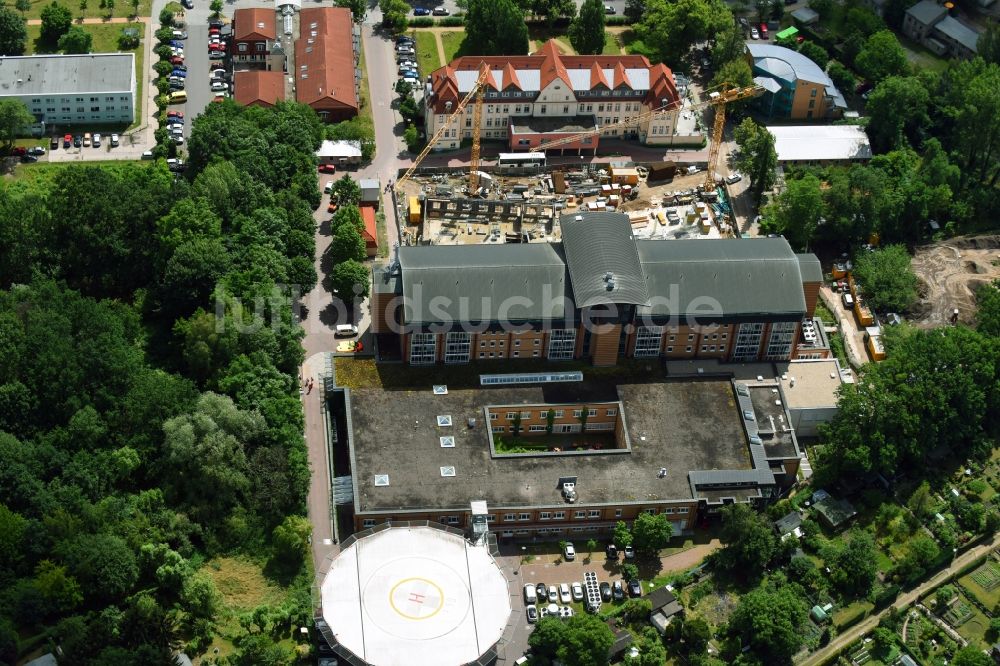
<point>582,514</point>
<point>558,413</point>
<point>243,47</point>
<point>107,98</point>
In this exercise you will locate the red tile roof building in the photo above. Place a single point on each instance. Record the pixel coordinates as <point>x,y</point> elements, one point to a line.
<point>257,87</point>
<point>370,233</point>
<point>326,57</point>
<point>254,35</point>
<point>540,97</point>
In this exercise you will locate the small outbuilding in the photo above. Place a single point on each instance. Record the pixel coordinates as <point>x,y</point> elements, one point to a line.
<point>665,608</point>
<point>788,524</point>
<point>835,513</point>
<point>339,153</point>
<point>371,192</point>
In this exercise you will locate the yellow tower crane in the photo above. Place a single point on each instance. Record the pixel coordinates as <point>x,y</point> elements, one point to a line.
<point>475,93</point>
<point>717,98</point>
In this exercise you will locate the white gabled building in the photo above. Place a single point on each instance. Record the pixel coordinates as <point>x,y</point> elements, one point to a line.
<point>536,98</point>
<point>72,89</point>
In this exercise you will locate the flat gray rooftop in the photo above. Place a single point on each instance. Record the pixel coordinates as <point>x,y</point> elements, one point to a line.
<point>680,425</point>
<point>67,74</point>
<point>781,444</point>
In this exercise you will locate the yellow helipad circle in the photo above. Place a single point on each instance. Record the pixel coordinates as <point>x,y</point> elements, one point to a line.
<point>416,598</point>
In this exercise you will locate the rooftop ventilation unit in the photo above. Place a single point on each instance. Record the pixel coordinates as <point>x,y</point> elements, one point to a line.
<point>440,389</point>
<point>569,492</point>
<point>448,471</point>
<point>381,480</point>
<point>447,442</point>
<point>444,420</point>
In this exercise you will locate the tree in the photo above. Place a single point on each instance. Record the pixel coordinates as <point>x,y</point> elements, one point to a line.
<point>921,502</point>
<point>13,32</point>
<point>749,541</point>
<point>796,212</point>
<point>348,215</point>
<point>854,566</point>
<point>729,46</point>
<point>769,620</point>
<point>135,6</point>
<point>635,609</point>
<point>971,655</point>
<point>898,108</point>
<point>884,639</point>
<point>893,12</point>
<point>582,640</point>
<point>736,73</point>
<point>586,31</point>
<point>395,15</point>
<point>889,284</point>
<point>651,533</point>
<point>14,119</point>
<point>943,598</point>
<point>988,314</point>
<point>920,553</point>
<point>349,280</point>
<point>57,587</point>
<point>815,52</point>
<point>630,571</point>
<point>757,157</point>
<point>104,564</point>
<point>359,9</point>
<point>76,40</point>
<point>110,6</point>
<point>346,192</point>
<point>696,634</point>
<point>634,9</point>
<point>22,5</point>
<point>412,138</point>
<point>841,77</point>
<point>591,547</point>
<point>988,44</point>
<point>882,56</point>
<point>675,26</point>
<point>291,540</point>
<point>623,535</point>
<point>347,244</point>
<point>216,7</point>
<point>552,10</point>
<point>56,21</point>
<point>496,27</point>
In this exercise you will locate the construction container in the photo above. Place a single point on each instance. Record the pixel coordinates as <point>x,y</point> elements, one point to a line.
<point>414,211</point>
<point>661,171</point>
<point>624,175</point>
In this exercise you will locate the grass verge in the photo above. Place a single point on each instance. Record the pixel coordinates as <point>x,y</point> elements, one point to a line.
<point>427,51</point>
<point>453,43</point>
<point>92,9</point>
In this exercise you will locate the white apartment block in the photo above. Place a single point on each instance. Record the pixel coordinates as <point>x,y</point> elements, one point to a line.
<point>93,88</point>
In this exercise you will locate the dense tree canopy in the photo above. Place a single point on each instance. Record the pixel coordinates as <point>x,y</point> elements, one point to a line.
<point>147,421</point>
<point>496,27</point>
<point>769,619</point>
<point>757,157</point>
<point>936,392</point>
<point>889,284</point>
<point>673,27</point>
<point>56,21</point>
<point>586,31</point>
<point>882,56</point>
<point>583,640</point>
<point>13,32</point>
<point>748,539</point>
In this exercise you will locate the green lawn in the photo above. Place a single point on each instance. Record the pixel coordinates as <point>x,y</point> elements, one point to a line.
<point>920,57</point>
<point>105,41</point>
<point>611,45</point>
<point>453,43</point>
<point>987,574</point>
<point>427,51</point>
<point>852,614</point>
<point>92,9</point>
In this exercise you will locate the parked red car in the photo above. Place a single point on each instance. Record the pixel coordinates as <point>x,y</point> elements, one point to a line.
<point>177,60</point>
<point>175,114</point>
<point>327,168</point>
<point>763,31</point>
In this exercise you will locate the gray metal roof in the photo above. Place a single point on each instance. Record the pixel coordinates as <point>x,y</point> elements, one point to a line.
<point>730,477</point>
<point>713,277</point>
<point>927,12</point>
<point>602,259</point>
<point>959,32</point>
<point>810,268</point>
<point>67,74</point>
<point>475,283</point>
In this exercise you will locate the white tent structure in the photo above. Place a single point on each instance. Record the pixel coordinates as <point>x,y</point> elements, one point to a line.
<point>414,595</point>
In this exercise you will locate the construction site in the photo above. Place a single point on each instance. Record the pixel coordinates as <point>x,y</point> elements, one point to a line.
<point>520,199</point>
<point>663,201</point>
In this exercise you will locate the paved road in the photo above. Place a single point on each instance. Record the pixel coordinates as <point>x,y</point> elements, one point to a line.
<point>196,58</point>
<point>452,7</point>
<point>857,631</point>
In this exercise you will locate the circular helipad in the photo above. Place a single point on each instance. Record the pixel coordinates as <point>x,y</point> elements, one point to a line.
<point>415,595</point>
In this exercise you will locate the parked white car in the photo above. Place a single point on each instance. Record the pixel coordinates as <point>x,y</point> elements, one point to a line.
<point>564,594</point>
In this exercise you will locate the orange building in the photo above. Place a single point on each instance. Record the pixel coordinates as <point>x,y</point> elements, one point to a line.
<point>326,61</point>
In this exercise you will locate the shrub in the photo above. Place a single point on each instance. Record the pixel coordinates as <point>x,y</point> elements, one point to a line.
<point>451,21</point>
<point>421,22</point>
